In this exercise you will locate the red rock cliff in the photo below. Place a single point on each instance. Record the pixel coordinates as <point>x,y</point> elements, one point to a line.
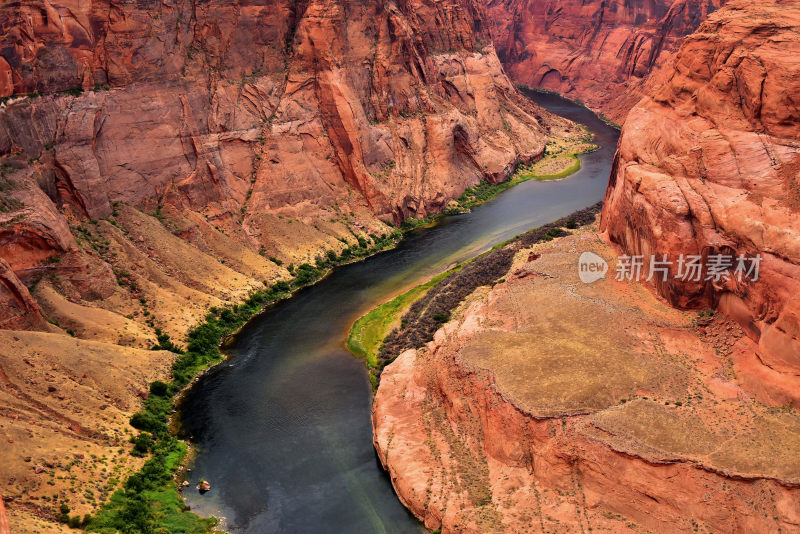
<point>4,528</point>
<point>709,164</point>
<point>601,52</point>
<point>403,103</point>
<point>329,112</point>
<point>549,404</point>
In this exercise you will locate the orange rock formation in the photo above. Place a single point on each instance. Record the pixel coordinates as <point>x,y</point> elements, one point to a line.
<point>600,52</point>
<point>710,164</point>
<point>156,156</point>
<point>552,405</point>
<point>332,114</point>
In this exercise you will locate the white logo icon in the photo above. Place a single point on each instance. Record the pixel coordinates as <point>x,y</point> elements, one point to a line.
<point>591,267</point>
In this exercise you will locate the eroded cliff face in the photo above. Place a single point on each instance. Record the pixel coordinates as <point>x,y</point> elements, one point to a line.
<point>156,156</point>
<point>709,164</point>
<point>403,104</point>
<point>336,114</point>
<point>606,53</point>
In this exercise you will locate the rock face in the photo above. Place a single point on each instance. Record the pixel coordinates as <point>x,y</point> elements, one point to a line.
<point>710,164</point>
<point>601,52</point>
<point>333,115</point>
<point>551,405</point>
<point>4,528</point>
<point>263,106</point>
<point>20,311</point>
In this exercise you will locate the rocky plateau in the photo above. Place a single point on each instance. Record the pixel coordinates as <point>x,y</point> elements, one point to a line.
<point>604,410</point>
<point>161,158</point>
<point>710,164</point>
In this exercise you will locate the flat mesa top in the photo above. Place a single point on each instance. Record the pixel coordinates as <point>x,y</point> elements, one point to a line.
<point>642,377</point>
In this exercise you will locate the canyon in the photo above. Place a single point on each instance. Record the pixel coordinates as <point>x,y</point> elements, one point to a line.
<point>607,54</point>
<point>160,159</point>
<point>549,404</point>
<point>605,409</point>
<point>708,165</point>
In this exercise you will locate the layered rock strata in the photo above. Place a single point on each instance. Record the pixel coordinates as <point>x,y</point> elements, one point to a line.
<point>710,164</point>
<point>160,158</point>
<point>606,53</point>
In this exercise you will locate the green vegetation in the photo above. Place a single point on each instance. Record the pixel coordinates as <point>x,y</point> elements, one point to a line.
<point>413,223</point>
<point>164,343</point>
<point>149,501</point>
<point>367,334</point>
<point>5,99</point>
<point>609,122</point>
<point>572,168</point>
<point>7,203</point>
<point>73,91</point>
<point>485,191</point>
<point>559,161</point>
<point>563,158</point>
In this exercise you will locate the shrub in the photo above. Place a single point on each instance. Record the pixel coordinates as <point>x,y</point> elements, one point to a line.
<point>159,388</point>
<point>148,422</point>
<point>281,287</point>
<point>165,343</point>
<point>142,444</point>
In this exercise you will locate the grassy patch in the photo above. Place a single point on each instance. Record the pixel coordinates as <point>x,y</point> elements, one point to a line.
<point>559,167</point>
<point>366,336</point>
<point>559,161</point>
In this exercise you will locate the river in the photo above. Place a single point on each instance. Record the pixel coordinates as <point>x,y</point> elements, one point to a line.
<point>282,429</point>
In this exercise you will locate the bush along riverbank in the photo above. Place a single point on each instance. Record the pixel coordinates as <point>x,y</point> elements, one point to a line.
<point>367,334</point>
<point>149,502</point>
<point>422,310</point>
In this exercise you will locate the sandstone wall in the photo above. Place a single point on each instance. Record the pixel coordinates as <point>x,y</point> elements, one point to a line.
<point>551,405</point>
<point>600,52</point>
<point>709,164</point>
<point>331,113</point>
